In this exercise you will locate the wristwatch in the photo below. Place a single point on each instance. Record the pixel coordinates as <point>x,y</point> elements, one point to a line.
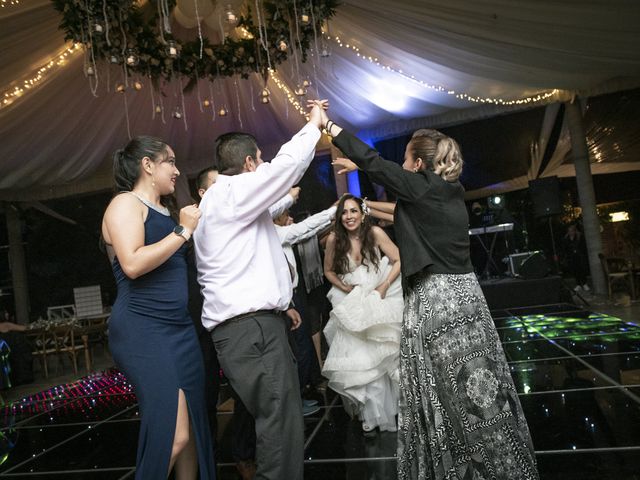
<point>180,230</point>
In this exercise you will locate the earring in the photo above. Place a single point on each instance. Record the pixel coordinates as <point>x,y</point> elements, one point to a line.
<point>153,180</point>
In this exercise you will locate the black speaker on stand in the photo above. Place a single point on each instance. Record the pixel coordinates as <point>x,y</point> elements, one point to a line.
<point>545,197</point>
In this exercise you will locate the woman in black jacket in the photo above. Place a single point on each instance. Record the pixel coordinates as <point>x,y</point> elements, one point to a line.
<point>460,416</point>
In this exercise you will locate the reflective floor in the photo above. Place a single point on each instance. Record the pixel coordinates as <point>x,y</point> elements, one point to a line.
<point>577,372</point>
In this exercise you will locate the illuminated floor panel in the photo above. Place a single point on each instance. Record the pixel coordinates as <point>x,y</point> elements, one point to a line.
<point>577,374</point>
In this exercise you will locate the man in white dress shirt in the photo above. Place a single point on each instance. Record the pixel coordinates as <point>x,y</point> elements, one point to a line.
<point>246,281</point>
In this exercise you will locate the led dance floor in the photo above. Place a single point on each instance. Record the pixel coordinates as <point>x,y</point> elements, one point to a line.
<point>577,373</point>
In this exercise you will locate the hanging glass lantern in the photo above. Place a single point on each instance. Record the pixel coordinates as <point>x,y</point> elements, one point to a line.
<point>306,83</point>
<point>158,109</point>
<point>172,49</point>
<point>177,113</point>
<point>223,112</point>
<point>206,103</point>
<point>300,91</point>
<point>120,88</point>
<point>230,16</point>
<point>325,52</point>
<point>132,58</point>
<point>304,19</point>
<point>265,92</point>
<point>264,100</point>
<point>137,85</point>
<point>283,46</point>
<point>89,71</point>
<point>98,28</point>
<point>113,58</point>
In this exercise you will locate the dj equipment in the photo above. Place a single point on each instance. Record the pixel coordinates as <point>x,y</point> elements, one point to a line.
<point>528,265</point>
<point>490,235</point>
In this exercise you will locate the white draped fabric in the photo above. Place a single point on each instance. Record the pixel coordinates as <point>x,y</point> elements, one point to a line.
<point>58,138</point>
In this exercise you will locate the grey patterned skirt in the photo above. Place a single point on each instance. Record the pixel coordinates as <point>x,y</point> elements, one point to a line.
<point>460,417</point>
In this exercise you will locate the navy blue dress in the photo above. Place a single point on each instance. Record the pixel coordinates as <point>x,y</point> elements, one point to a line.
<point>154,343</point>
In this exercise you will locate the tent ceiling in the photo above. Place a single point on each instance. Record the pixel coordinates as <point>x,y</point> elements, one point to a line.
<point>57,139</point>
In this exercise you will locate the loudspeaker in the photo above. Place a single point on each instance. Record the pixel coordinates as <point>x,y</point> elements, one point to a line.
<point>534,266</point>
<point>545,196</point>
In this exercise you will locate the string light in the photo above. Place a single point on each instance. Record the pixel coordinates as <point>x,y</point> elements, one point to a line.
<point>439,88</point>
<point>291,98</point>
<point>9,3</point>
<point>32,80</point>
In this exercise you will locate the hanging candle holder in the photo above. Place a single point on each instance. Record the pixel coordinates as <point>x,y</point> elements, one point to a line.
<point>120,88</point>
<point>137,85</point>
<point>177,113</point>
<point>114,59</point>
<point>264,95</point>
<point>230,16</point>
<point>98,29</point>
<point>304,18</point>
<point>132,58</point>
<point>300,91</point>
<point>223,112</point>
<point>282,45</point>
<point>90,71</point>
<point>158,109</point>
<point>172,49</point>
<point>324,52</point>
<point>306,83</point>
<point>206,103</point>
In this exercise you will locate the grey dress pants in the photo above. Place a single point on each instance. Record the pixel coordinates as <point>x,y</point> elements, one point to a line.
<point>256,358</point>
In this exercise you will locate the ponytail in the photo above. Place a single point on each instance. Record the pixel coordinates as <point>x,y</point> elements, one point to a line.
<point>448,160</point>
<point>439,153</point>
<point>126,161</point>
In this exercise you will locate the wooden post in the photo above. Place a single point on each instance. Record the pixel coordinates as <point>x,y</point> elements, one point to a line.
<point>17,264</point>
<point>586,194</point>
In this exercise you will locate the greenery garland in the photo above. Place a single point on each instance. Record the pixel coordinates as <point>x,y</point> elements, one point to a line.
<point>132,27</point>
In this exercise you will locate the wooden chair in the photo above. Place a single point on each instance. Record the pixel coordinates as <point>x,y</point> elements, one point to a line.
<point>617,271</point>
<point>93,331</point>
<point>66,343</point>
<point>61,312</point>
<point>42,345</point>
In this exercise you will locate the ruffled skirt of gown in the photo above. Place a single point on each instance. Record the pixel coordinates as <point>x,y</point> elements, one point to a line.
<point>363,333</point>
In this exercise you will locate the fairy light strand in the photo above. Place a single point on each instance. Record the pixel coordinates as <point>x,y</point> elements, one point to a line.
<point>291,98</point>
<point>9,3</point>
<point>34,79</point>
<point>439,88</point>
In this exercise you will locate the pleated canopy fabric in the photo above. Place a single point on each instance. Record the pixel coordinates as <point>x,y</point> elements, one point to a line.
<point>58,137</point>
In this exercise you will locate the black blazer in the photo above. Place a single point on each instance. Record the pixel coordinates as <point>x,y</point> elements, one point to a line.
<point>430,220</point>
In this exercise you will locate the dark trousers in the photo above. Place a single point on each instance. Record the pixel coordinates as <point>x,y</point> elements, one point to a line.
<point>243,439</point>
<point>302,345</point>
<point>254,353</point>
<point>211,382</point>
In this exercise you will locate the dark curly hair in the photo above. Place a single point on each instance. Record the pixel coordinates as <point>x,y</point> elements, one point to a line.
<point>343,244</point>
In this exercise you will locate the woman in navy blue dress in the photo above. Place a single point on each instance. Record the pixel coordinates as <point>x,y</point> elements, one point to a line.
<point>152,338</point>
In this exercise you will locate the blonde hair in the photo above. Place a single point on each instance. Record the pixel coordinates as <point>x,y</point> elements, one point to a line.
<point>438,153</point>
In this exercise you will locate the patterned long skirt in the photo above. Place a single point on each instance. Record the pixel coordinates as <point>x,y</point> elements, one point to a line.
<point>460,417</point>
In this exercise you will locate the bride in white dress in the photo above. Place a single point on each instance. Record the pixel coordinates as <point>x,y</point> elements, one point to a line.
<point>363,332</point>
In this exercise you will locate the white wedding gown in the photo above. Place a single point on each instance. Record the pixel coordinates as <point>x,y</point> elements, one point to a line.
<point>363,333</point>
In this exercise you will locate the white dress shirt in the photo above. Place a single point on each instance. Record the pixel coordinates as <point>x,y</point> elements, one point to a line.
<point>281,206</point>
<point>297,232</point>
<point>241,265</point>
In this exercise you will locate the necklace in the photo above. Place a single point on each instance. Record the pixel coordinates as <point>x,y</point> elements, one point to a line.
<point>161,210</point>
